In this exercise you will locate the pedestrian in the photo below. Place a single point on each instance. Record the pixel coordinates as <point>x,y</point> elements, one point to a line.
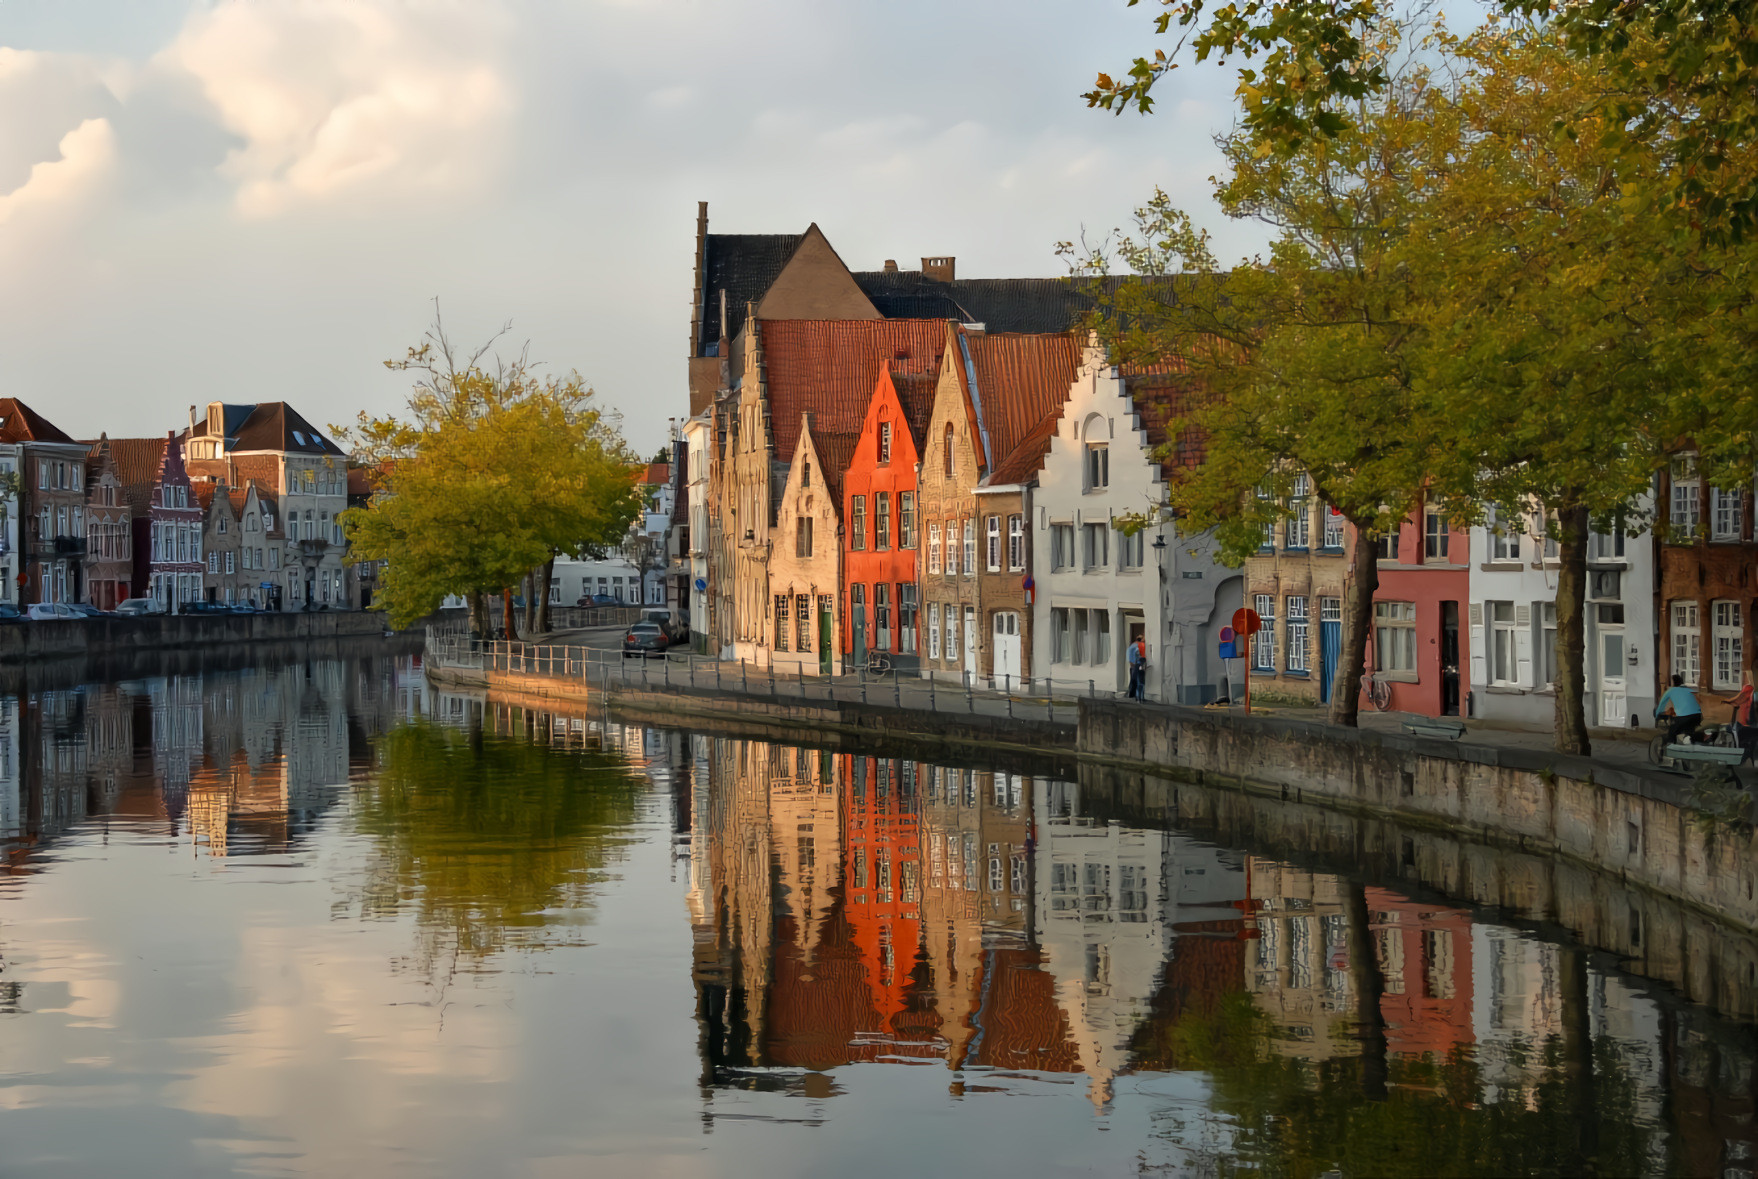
<point>1745,724</point>
<point>1138,668</point>
<point>1687,713</point>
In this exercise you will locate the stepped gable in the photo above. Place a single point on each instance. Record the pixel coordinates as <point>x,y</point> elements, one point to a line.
<point>138,461</point>
<point>999,304</point>
<point>20,423</point>
<point>1023,381</point>
<point>915,392</point>
<point>829,369</point>
<point>744,265</point>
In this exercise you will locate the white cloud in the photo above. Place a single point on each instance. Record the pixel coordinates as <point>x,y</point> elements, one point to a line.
<point>86,157</point>
<point>339,99</point>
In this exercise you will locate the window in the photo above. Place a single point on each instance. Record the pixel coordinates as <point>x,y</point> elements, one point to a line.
<point>803,536</point>
<point>1098,540</point>
<point>970,547</point>
<point>1435,536</point>
<point>994,546</point>
<point>952,548</point>
<point>1687,643</point>
<point>1058,635</point>
<point>933,630</point>
<point>1687,496</point>
<point>1061,546</point>
<point>1394,633</point>
<point>1729,638</point>
<point>781,622</point>
<point>213,562</point>
<point>946,449</point>
<point>1098,466</point>
<point>1547,643</point>
<point>906,618</point>
<point>951,633</point>
<point>857,535</point>
<point>1080,636</point>
<point>882,520</point>
<point>803,622</point>
<point>906,519</point>
<point>1606,546</point>
<point>1296,626</point>
<point>1297,532</point>
<point>1101,636</point>
<point>1386,548</point>
<point>1130,549</point>
<point>1724,514</point>
<point>1016,542</point>
<point>1263,643</point>
<point>934,547</point>
<point>884,442</point>
<point>1333,527</point>
<point>882,615</point>
<point>222,524</point>
<point>1504,542</point>
<point>805,472</point>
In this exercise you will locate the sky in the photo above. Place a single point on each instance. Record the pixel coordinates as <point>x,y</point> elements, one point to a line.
<point>249,200</point>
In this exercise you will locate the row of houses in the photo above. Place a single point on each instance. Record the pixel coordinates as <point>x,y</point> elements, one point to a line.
<point>242,505</point>
<point>911,470</point>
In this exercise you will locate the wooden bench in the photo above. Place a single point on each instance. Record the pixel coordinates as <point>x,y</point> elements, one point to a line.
<point>1442,727</point>
<point>1727,755</point>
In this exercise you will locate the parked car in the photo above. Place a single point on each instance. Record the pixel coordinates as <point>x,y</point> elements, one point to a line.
<point>89,610</point>
<point>204,608</point>
<point>138,606</point>
<point>675,623</point>
<point>645,639</point>
<point>10,613</point>
<point>52,612</point>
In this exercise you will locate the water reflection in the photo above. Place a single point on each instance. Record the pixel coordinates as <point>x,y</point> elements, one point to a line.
<point>398,928</point>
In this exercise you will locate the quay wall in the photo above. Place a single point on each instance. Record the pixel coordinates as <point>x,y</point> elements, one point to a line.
<point>27,642</point>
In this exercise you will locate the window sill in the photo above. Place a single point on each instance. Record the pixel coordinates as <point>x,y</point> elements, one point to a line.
<point>1330,550</point>
<point>1502,567</point>
<point>1292,550</point>
<point>1506,690</point>
<point>1297,675</point>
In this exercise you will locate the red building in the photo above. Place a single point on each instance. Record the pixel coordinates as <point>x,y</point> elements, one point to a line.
<point>881,532</point>
<point>1423,588</point>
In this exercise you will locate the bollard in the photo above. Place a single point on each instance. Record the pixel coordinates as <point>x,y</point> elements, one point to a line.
<point>932,706</point>
<point>1092,691</point>
<point>717,675</point>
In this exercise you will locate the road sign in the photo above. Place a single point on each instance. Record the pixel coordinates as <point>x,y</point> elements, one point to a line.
<point>1246,621</point>
<point>1229,643</point>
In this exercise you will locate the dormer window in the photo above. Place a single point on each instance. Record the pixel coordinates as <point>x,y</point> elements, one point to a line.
<point>299,438</point>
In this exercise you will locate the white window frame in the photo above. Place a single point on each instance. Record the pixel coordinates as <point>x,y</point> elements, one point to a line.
<point>1685,505</point>
<point>1728,638</point>
<point>1263,643</point>
<point>993,531</point>
<point>1016,543</point>
<point>1394,627</point>
<point>970,546</point>
<point>1095,546</point>
<point>934,546</point>
<point>1297,658</point>
<point>1686,641</point>
<point>1726,510</point>
<point>933,630</point>
<point>1501,644</point>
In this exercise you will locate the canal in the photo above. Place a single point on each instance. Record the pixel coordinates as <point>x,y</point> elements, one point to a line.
<point>315,917</point>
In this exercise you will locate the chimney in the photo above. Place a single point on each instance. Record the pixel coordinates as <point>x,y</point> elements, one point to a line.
<point>891,266</point>
<point>192,419</point>
<point>940,269</point>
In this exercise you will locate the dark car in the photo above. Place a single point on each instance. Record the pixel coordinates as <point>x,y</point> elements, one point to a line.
<point>203,608</point>
<point>89,610</point>
<point>10,613</point>
<point>645,639</point>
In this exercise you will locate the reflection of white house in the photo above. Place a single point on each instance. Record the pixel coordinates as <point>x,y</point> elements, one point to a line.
<point>1517,1005</point>
<point>694,557</point>
<point>1628,1026</point>
<point>11,461</point>
<point>1514,625</point>
<point>1108,900</point>
<point>11,779</point>
<point>1096,587</point>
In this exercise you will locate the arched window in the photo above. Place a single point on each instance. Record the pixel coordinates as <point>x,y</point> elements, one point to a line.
<point>948,448</point>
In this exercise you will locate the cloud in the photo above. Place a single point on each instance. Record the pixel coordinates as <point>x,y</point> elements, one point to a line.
<point>339,100</point>
<point>86,157</point>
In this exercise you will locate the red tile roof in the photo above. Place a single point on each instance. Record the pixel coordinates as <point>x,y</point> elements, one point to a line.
<point>658,474</point>
<point>138,462</point>
<point>915,392</point>
<point>828,368</point>
<point>835,453</point>
<point>1022,383</point>
<point>20,423</point>
<point>1161,398</point>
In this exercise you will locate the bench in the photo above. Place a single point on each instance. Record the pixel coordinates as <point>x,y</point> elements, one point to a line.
<point>1725,755</point>
<point>1441,727</point>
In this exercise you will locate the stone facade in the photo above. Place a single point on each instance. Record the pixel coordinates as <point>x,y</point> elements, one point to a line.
<point>109,560</point>
<point>805,563</point>
<point>952,463</point>
<point>1314,570</point>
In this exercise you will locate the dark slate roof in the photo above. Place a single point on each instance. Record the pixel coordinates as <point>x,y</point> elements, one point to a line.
<point>999,304</point>
<point>231,417</point>
<point>20,423</point>
<point>275,425</point>
<point>829,369</point>
<point>743,265</point>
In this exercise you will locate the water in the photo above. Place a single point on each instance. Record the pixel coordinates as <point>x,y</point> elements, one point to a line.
<point>318,919</point>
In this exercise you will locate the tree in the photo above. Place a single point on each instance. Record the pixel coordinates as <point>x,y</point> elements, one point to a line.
<point>488,478</point>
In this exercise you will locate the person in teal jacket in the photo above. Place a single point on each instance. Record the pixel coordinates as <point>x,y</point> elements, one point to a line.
<point>1687,713</point>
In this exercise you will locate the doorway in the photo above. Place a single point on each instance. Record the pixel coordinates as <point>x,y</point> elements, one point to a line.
<point>1330,629</point>
<point>858,621</point>
<point>1007,648</point>
<point>1614,704</point>
<point>1449,659</point>
<point>826,636</point>
<point>970,643</point>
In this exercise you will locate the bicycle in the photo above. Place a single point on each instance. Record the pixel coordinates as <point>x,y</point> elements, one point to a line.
<point>1378,691</point>
<point>878,665</point>
<point>1716,736</point>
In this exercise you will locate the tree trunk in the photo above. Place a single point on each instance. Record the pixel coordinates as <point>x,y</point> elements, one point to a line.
<point>525,586</point>
<point>478,606</point>
<point>508,619</point>
<point>1370,989</point>
<point>1571,716</point>
<point>1361,581</point>
<point>542,577</point>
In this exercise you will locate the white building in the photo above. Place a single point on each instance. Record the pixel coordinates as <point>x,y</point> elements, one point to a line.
<point>1513,620</point>
<point>11,463</point>
<point>1098,588</point>
<point>694,553</point>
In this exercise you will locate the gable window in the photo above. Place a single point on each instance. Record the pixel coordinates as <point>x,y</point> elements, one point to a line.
<point>993,533</point>
<point>934,547</point>
<point>857,533</point>
<point>1687,494</point>
<point>1098,537</point>
<point>882,520</point>
<point>1061,546</point>
<point>1435,536</point>
<point>1098,466</point>
<point>952,548</point>
<point>946,458</point>
<point>222,524</point>
<point>906,519</point>
<point>884,442</point>
<point>1130,549</point>
<point>1729,639</point>
<point>970,547</point>
<point>805,473</point>
<point>1394,633</point>
<point>1297,532</point>
<point>1016,542</point>
<point>803,536</point>
<point>1724,514</point>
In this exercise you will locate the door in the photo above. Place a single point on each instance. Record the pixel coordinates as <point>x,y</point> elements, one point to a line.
<point>1449,659</point>
<point>826,636</point>
<point>858,621</point>
<point>1007,649</point>
<point>1330,629</point>
<point>970,643</point>
<point>1614,706</point>
<point>1134,627</point>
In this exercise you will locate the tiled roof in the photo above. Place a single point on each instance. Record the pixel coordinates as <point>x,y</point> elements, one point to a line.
<point>915,392</point>
<point>743,265</point>
<point>999,304</point>
<point>239,497</point>
<point>203,490</point>
<point>275,425</point>
<point>20,423</point>
<point>359,482</point>
<point>835,453</point>
<point>658,474</point>
<point>1161,397</point>
<point>261,469</point>
<point>829,368</point>
<point>138,461</point>
<point>1023,383</point>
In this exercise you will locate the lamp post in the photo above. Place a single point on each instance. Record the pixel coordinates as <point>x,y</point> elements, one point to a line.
<point>1166,599</point>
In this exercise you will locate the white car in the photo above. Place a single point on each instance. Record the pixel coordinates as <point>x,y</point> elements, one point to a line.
<point>51,611</point>
<point>135,606</point>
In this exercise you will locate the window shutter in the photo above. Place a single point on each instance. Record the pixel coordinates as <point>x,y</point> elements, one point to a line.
<point>1477,614</point>
<point>1523,652</point>
<point>1522,615</point>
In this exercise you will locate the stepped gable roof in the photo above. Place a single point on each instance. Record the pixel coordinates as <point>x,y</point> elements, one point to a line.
<point>138,462</point>
<point>275,425</point>
<point>915,392</point>
<point>829,369</point>
<point>743,265</point>
<point>1162,394</point>
<point>1023,381</point>
<point>20,423</point>
<point>999,304</point>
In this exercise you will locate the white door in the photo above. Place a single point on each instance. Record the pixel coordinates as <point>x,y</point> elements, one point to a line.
<point>1007,650</point>
<point>1613,707</point>
<point>970,644</point>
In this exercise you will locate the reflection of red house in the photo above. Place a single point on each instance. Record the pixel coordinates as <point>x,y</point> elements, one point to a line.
<point>882,879</point>
<point>1023,1027</point>
<point>881,539</point>
<point>1424,955</point>
<point>1424,567</point>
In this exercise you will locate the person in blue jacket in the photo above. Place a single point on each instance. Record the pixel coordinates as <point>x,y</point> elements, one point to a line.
<point>1687,713</point>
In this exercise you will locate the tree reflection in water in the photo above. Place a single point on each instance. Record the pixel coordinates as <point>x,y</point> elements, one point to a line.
<point>495,841</point>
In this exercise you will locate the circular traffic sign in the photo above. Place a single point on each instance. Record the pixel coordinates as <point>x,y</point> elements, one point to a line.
<point>1246,621</point>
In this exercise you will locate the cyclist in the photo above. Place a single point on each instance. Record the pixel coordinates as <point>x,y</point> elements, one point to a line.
<point>1745,719</point>
<point>1687,713</point>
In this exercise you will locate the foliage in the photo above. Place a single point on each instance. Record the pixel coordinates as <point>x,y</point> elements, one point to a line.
<point>488,476</point>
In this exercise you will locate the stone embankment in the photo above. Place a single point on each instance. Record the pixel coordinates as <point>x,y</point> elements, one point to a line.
<point>27,642</point>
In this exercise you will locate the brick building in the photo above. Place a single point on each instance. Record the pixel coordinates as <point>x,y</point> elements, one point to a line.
<point>51,505</point>
<point>109,526</point>
<point>1708,556</point>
